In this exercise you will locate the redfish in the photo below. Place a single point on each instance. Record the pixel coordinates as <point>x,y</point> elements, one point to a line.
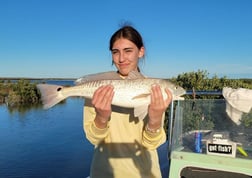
<point>132,92</point>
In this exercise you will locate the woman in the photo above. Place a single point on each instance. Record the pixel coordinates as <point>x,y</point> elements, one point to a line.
<point>124,145</point>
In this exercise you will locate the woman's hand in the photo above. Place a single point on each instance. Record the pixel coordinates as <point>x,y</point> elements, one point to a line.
<point>101,101</point>
<point>157,106</point>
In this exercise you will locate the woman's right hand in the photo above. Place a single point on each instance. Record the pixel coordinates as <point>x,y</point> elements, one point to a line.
<point>101,101</point>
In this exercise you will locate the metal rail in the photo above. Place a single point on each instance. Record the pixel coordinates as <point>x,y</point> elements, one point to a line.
<point>204,92</point>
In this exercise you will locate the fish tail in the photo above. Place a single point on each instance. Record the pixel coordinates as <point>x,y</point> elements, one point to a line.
<point>50,94</point>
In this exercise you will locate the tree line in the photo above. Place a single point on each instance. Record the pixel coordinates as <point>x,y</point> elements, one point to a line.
<point>200,81</point>
<point>23,91</point>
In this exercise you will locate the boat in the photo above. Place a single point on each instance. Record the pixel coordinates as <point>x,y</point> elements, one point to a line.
<point>205,142</point>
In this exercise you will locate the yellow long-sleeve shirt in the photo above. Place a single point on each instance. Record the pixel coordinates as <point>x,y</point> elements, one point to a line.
<point>124,148</point>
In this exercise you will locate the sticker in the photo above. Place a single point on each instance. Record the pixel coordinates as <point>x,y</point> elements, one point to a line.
<point>219,148</point>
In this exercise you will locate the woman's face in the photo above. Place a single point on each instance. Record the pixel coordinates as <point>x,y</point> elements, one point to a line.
<point>126,55</point>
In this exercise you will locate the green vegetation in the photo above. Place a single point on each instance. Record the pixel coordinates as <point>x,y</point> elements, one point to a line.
<point>18,93</point>
<point>204,111</point>
<point>199,81</point>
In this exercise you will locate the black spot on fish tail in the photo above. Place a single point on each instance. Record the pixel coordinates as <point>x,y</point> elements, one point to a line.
<point>58,89</point>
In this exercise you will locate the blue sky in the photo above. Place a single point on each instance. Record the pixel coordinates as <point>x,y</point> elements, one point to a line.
<point>69,38</point>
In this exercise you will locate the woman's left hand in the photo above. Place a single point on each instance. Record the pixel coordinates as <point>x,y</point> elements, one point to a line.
<point>158,106</point>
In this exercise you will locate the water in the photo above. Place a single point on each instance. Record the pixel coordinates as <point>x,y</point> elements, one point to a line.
<point>47,143</point>
<point>44,143</point>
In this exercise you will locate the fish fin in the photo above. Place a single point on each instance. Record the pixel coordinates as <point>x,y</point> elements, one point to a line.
<point>178,98</point>
<point>144,95</point>
<point>50,94</point>
<point>135,75</point>
<point>110,75</point>
<point>141,111</point>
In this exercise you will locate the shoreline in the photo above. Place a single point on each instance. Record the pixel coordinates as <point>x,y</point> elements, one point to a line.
<point>31,78</point>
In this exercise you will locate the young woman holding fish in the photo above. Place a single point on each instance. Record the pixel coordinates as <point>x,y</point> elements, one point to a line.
<point>125,146</point>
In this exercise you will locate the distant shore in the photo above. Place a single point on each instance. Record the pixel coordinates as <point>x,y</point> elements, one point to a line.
<point>31,78</point>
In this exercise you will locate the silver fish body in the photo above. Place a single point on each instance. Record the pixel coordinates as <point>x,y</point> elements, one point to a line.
<point>129,93</point>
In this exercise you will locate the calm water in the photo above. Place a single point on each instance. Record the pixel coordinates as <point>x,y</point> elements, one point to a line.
<point>47,143</point>
<point>44,143</point>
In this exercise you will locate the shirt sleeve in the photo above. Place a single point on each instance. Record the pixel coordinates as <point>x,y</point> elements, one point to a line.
<point>94,134</point>
<point>154,140</point>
